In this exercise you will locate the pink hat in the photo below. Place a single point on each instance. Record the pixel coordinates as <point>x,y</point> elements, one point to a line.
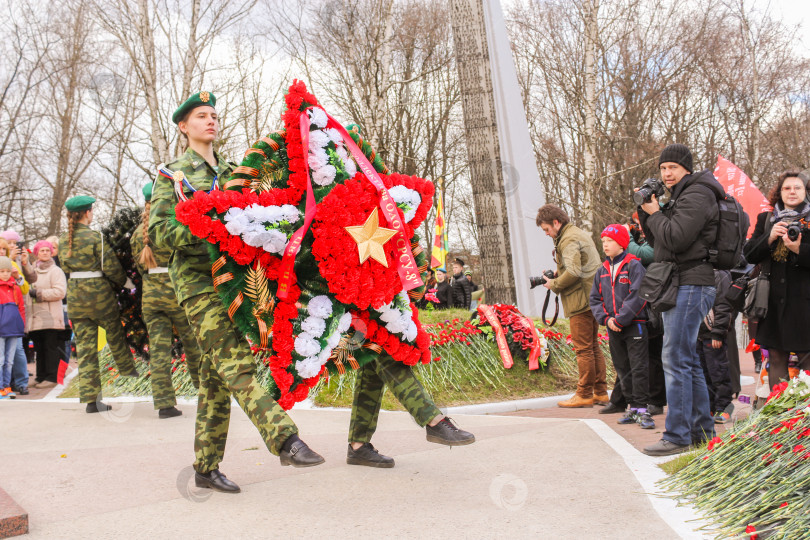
<point>11,235</point>
<point>618,233</point>
<point>42,244</point>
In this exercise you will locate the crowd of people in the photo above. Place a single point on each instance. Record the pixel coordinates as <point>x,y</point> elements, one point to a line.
<point>33,315</point>
<point>459,291</point>
<point>683,355</point>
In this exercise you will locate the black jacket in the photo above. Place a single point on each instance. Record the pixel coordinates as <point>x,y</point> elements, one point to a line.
<point>462,292</point>
<point>784,328</point>
<point>721,312</point>
<point>443,293</point>
<point>686,227</point>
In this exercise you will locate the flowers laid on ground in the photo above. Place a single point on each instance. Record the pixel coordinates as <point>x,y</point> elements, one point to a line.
<point>754,479</point>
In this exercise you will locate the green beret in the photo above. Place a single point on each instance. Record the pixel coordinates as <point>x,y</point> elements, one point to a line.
<point>147,192</point>
<point>79,203</point>
<point>197,100</point>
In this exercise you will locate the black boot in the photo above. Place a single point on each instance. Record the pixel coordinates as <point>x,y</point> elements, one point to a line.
<point>369,456</point>
<point>611,408</point>
<point>97,406</point>
<point>445,432</point>
<point>169,412</point>
<point>295,452</point>
<point>215,480</point>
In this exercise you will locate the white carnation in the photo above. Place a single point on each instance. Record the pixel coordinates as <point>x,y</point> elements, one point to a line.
<point>388,314</point>
<point>411,332</point>
<point>314,325</point>
<point>318,117</point>
<point>317,139</point>
<point>334,135</point>
<point>320,306</point>
<point>307,345</point>
<point>308,367</point>
<point>317,159</point>
<point>325,175</point>
<point>344,323</point>
<point>333,340</point>
<point>276,242</point>
<point>408,197</point>
<point>325,354</point>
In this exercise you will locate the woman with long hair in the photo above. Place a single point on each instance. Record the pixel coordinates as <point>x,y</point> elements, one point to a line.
<point>45,320</point>
<point>161,312</point>
<point>93,271</point>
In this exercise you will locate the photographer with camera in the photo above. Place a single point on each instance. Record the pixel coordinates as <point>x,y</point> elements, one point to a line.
<point>781,245</point>
<point>577,263</point>
<point>682,233</point>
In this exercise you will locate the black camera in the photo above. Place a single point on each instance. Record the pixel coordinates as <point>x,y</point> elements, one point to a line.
<point>650,187</point>
<point>793,231</point>
<point>535,281</point>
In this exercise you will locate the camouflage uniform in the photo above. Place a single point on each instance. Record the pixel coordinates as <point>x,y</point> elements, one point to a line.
<point>227,366</point>
<point>161,312</point>
<point>92,304</point>
<point>372,379</point>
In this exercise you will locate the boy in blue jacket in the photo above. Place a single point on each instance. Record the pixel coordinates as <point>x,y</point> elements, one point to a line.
<point>616,304</point>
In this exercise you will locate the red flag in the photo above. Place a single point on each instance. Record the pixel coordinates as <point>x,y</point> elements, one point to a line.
<point>737,184</point>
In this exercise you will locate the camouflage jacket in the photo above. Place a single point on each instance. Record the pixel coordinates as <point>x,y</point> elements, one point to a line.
<point>158,292</point>
<point>91,297</point>
<point>189,263</point>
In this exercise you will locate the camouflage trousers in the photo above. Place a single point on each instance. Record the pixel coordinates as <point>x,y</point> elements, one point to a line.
<point>159,324</point>
<point>372,379</point>
<point>228,368</point>
<point>86,331</point>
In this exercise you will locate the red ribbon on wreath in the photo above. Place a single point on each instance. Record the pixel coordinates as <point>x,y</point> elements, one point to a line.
<point>500,336</point>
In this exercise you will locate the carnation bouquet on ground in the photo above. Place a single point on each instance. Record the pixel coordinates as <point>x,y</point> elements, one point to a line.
<point>515,334</point>
<point>314,249</point>
<point>753,481</point>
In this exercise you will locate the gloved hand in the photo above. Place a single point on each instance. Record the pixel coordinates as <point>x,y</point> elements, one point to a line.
<point>32,292</point>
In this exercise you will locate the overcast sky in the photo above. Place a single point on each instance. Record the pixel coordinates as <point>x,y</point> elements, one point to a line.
<point>793,12</point>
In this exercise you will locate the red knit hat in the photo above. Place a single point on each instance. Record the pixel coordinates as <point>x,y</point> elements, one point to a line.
<point>617,233</point>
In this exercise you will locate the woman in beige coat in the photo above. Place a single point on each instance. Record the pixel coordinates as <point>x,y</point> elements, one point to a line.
<point>46,323</point>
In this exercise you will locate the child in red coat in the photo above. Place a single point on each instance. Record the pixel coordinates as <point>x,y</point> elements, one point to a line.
<point>12,324</point>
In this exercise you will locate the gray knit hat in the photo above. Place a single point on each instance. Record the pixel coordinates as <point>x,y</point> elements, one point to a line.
<point>5,264</point>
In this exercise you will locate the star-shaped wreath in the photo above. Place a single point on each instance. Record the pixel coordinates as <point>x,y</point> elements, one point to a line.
<point>315,259</point>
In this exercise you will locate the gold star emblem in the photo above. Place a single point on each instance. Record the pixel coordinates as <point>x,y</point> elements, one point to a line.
<point>370,238</point>
<point>204,96</point>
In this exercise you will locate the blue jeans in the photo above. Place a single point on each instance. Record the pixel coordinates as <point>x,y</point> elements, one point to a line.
<point>19,372</point>
<point>8,347</point>
<point>689,415</point>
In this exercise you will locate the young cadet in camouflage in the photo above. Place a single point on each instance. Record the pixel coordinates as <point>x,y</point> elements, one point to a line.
<point>92,270</point>
<point>227,367</point>
<point>161,313</point>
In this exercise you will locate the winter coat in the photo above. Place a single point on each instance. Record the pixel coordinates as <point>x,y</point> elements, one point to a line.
<point>443,293</point>
<point>462,291</point>
<point>577,262</point>
<point>12,309</point>
<point>720,316</point>
<point>618,297</point>
<point>46,310</point>
<point>686,227</point>
<point>784,328</point>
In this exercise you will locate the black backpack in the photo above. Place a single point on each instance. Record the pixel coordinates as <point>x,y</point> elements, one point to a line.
<point>732,230</point>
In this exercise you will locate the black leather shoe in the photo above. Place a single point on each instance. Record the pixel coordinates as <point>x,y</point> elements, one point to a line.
<point>169,412</point>
<point>215,480</point>
<point>97,406</point>
<point>655,409</point>
<point>23,391</point>
<point>445,432</point>
<point>300,455</point>
<point>611,408</point>
<point>369,456</point>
